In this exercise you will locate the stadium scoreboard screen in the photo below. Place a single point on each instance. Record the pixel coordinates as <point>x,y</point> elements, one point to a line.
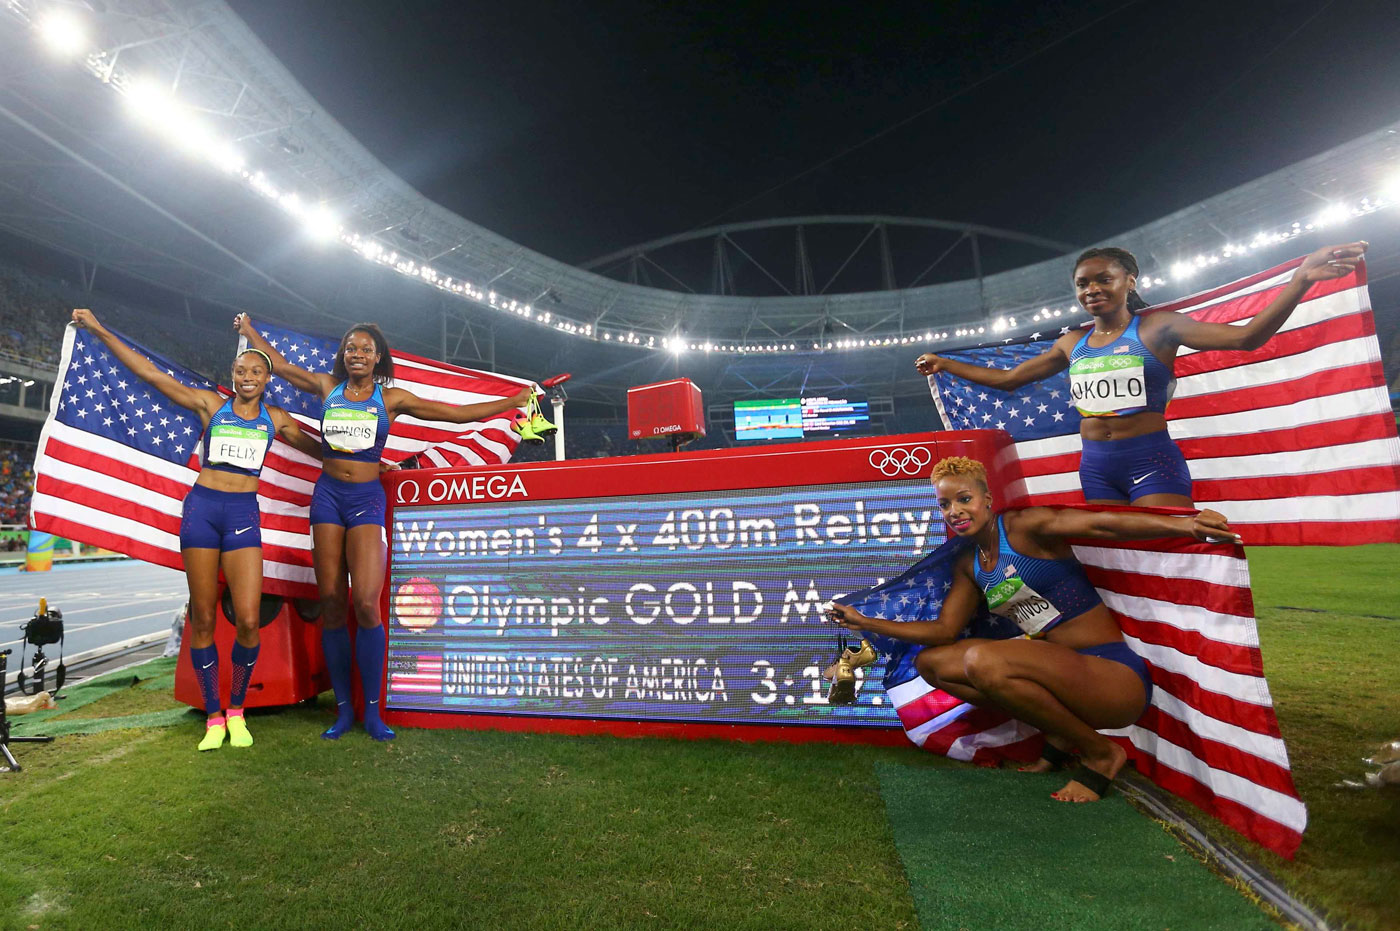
<point>796,418</point>
<point>651,588</point>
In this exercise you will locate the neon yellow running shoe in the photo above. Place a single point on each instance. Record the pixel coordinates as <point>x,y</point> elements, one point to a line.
<point>527,433</point>
<point>542,427</point>
<point>238,735</point>
<point>213,736</point>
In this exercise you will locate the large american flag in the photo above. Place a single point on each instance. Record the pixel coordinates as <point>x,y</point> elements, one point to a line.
<point>1294,442</point>
<point>116,458</point>
<point>1209,735</point>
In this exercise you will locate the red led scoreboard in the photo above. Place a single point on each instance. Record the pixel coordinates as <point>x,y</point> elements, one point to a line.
<point>677,594</point>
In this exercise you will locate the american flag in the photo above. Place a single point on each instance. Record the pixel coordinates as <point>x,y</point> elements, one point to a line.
<point>1294,442</point>
<point>413,672</point>
<point>116,458</point>
<point>1209,735</point>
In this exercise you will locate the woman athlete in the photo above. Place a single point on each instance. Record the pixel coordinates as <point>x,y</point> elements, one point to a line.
<point>1120,371</point>
<point>347,507</point>
<point>219,526</point>
<point>1071,675</point>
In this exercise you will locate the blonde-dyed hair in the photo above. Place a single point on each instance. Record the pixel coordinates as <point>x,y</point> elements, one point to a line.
<point>960,467</point>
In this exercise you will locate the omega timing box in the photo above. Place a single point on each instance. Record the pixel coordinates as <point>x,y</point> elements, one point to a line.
<point>664,409</point>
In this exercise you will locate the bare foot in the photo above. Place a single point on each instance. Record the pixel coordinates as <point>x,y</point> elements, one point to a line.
<point>1041,765</point>
<point>1106,763</point>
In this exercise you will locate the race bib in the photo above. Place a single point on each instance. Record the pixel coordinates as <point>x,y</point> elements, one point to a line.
<point>1016,600</point>
<point>233,445</point>
<point>347,430</point>
<point>1105,385</point>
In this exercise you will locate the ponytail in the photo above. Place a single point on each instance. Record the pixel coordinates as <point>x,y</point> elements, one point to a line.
<point>1135,302</point>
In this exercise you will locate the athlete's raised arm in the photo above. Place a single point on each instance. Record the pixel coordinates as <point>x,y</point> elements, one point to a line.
<point>1326,263</point>
<point>318,383</point>
<point>204,403</point>
<point>1051,361</point>
<point>406,402</point>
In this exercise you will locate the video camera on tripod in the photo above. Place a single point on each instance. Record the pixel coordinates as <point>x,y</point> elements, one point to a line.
<point>43,629</point>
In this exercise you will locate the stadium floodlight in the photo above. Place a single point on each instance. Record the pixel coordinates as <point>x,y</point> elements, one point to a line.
<point>1390,188</point>
<point>1331,215</point>
<point>323,225</point>
<point>62,33</point>
<point>153,103</point>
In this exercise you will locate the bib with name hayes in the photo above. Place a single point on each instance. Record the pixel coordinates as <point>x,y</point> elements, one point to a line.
<point>1124,377</point>
<point>354,430</point>
<point>232,444</point>
<point>1035,593</point>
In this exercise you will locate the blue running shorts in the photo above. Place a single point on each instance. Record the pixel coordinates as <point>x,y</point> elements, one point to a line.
<point>1126,470</point>
<point>219,520</point>
<point>348,504</point>
<point>1120,652</point>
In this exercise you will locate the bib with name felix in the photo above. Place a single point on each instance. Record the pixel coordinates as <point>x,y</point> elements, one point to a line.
<point>232,444</point>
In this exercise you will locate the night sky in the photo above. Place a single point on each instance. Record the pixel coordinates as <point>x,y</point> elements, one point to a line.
<point>580,128</point>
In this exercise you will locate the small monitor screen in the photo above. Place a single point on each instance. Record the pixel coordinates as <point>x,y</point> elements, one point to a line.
<point>768,420</point>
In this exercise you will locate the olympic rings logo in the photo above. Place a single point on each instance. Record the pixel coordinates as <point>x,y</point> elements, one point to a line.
<point>892,462</point>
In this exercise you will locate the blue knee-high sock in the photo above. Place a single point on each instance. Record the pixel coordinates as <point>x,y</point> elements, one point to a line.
<point>206,673</point>
<point>244,658</point>
<point>335,643</point>
<point>369,656</point>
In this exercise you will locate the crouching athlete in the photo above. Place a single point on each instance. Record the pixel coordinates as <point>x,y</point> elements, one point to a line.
<point>1071,674</point>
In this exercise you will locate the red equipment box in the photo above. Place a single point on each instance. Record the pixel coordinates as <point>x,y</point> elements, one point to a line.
<point>290,665</point>
<point>665,409</point>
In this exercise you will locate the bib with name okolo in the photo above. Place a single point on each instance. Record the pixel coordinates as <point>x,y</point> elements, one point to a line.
<point>1102,385</point>
<point>348,430</point>
<point>242,447</point>
<point>1014,599</point>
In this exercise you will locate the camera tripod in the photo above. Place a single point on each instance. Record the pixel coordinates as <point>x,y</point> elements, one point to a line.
<point>12,765</point>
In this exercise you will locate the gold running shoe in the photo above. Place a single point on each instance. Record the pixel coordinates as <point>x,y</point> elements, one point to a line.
<point>842,673</point>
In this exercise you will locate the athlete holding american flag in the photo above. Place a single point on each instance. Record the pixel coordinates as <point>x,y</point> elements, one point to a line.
<point>1121,371</point>
<point>220,521</point>
<point>348,505</point>
<point>1071,674</point>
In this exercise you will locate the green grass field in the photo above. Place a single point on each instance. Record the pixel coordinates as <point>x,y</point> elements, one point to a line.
<point>125,828</point>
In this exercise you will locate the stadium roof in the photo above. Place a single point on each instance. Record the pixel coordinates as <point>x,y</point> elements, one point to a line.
<point>169,145</point>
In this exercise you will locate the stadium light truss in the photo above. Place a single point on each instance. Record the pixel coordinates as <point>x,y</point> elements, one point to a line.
<point>156,107</point>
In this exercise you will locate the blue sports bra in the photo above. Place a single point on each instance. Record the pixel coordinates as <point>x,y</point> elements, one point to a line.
<point>1124,377</point>
<point>232,444</point>
<point>1037,594</point>
<point>354,430</point>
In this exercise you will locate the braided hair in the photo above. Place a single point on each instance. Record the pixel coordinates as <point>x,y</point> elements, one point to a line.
<point>1124,258</point>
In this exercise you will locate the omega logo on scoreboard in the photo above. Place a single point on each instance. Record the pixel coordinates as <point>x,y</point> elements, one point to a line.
<point>464,488</point>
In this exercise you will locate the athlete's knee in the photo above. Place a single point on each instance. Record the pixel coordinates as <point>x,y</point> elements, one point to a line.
<point>333,610</point>
<point>933,665</point>
<point>202,620</point>
<point>985,666</point>
<point>248,625</point>
<point>367,608</point>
